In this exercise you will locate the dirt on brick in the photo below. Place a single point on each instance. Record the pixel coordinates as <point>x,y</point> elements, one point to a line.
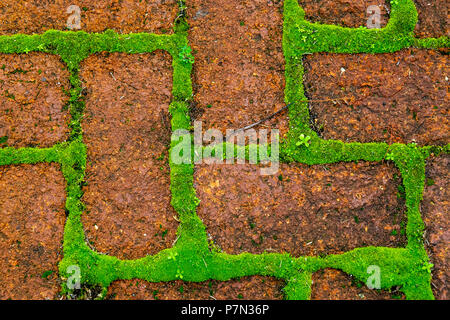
<point>399,97</point>
<point>330,284</point>
<point>345,13</point>
<point>123,16</point>
<point>433,18</point>
<point>434,208</point>
<point>238,75</point>
<point>33,102</point>
<point>32,216</point>
<point>248,288</point>
<point>127,133</point>
<point>316,210</point>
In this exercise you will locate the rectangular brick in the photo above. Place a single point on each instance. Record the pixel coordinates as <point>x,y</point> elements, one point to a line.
<point>304,210</point>
<point>127,133</point>
<point>33,102</point>
<point>345,13</point>
<point>435,211</point>
<point>397,97</point>
<point>247,288</point>
<point>330,284</point>
<point>125,16</point>
<point>32,202</point>
<point>239,70</point>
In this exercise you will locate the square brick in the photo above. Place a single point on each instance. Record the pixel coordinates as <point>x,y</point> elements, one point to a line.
<point>33,100</point>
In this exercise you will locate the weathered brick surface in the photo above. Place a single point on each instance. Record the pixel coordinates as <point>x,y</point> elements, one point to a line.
<point>248,288</point>
<point>33,110</point>
<point>238,79</point>
<point>433,18</point>
<point>394,97</point>
<point>302,210</point>
<point>435,212</point>
<point>124,16</point>
<point>239,70</point>
<point>32,201</point>
<point>127,133</point>
<point>345,13</point>
<point>330,284</point>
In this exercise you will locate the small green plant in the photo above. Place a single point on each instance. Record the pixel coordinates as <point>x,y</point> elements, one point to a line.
<point>172,256</point>
<point>389,156</point>
<point>179,274</point>
<point>304,141</point>
<point>426,265</point>
<point>186,55</point>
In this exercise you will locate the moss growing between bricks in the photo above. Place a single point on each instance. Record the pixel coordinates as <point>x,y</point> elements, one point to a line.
<point>190,259</point>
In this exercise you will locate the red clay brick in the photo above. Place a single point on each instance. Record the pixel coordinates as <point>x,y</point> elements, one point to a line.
<point>332,284</point>
<point>33,104</point>
<point>249,288</point>
<point>239,70</point>
<point>435,212</point>
<point>127,133</point>
<point>345,13</point>
<point>32,201</point>
<point>433,18</point>
<point>124,16</point>
<point>397,97</point>
<point>303,210</point>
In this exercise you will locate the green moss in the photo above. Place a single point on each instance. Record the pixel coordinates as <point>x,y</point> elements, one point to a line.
<point>299,287</point>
